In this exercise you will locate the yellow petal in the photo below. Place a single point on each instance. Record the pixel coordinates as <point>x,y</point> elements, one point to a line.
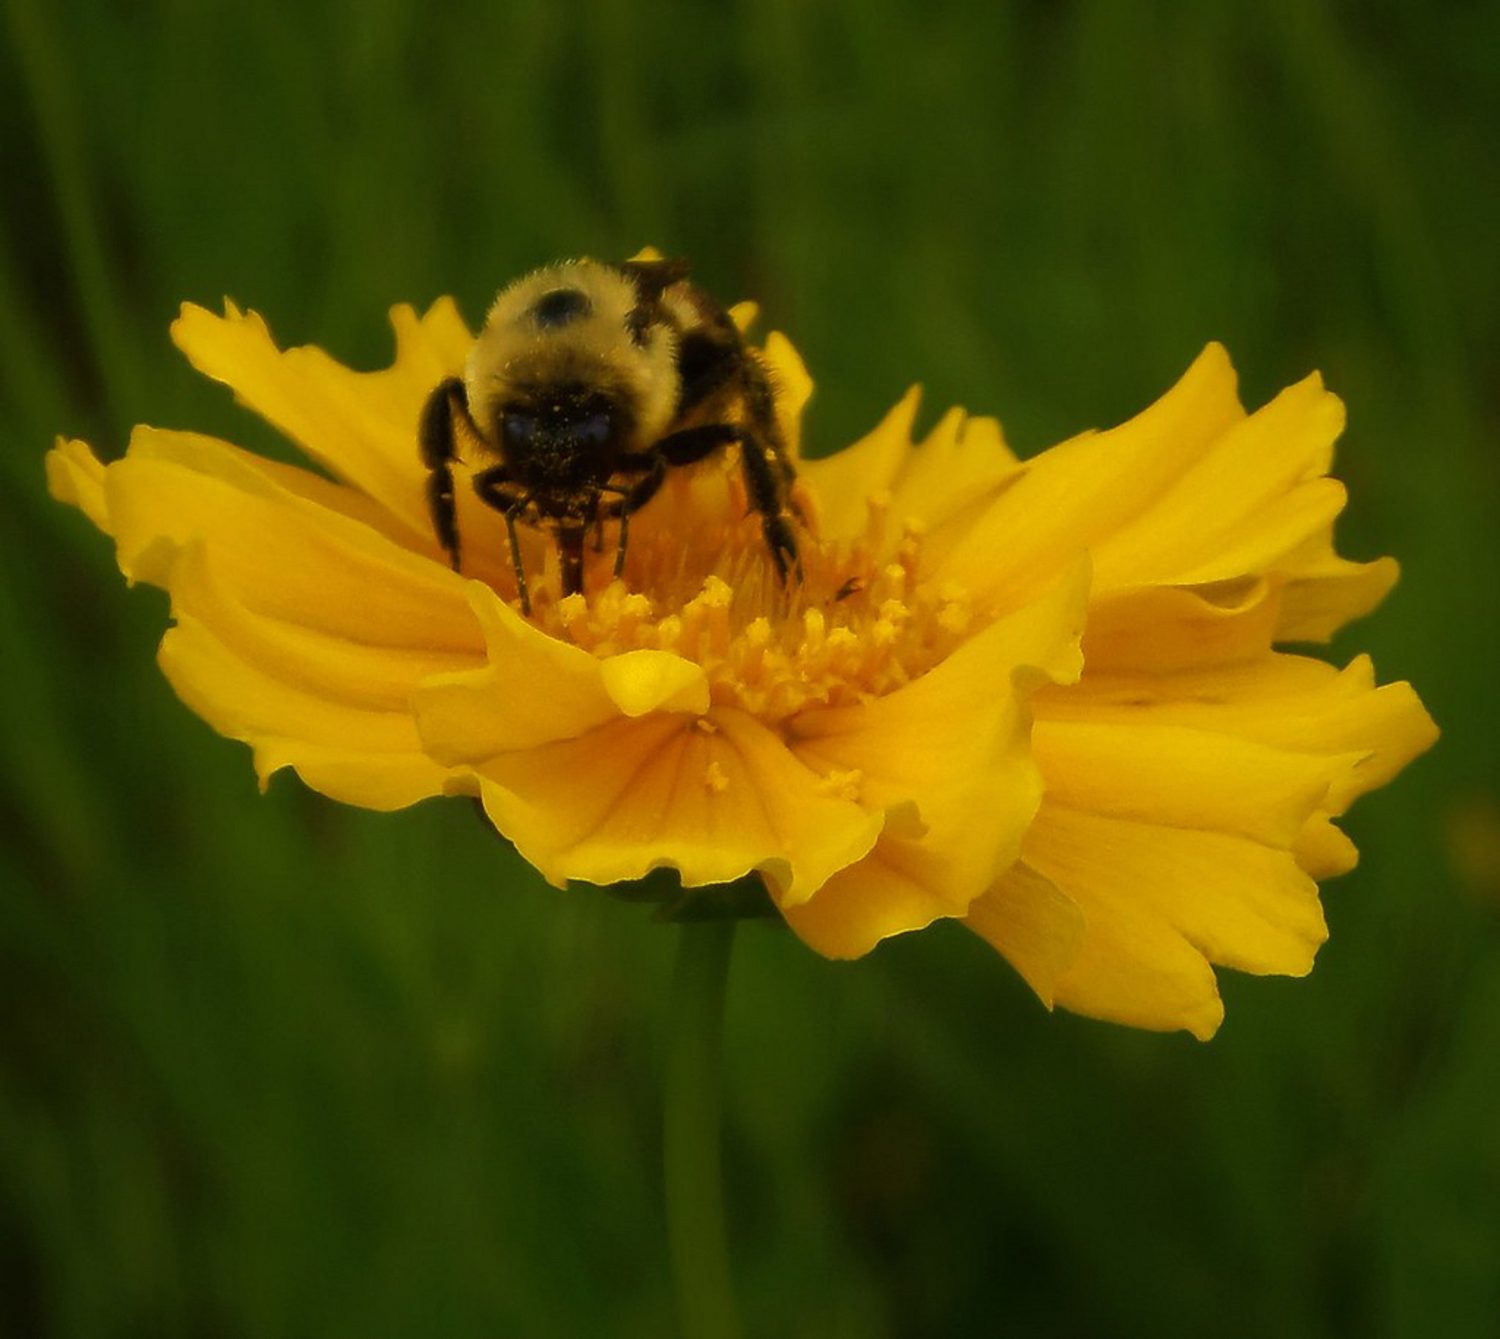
<point>1183,777</point>
<point>958,464</point>
<point>1077,494</point>
<point>430,345</point>
<point>281,554</point>
<point>1250,499</point>
<point>952,748</point>
<point>640,682</point>
<point>1161,903</point>
<point>1259,543</point>
<point>74,476</point>
<point>874,899</point>
<point>843,483</point>
<point>380,676</point>
<point>1188,811</point>
<point>938,485</point>
<point>793,387</point>
<point>1321,591</point>
<point>1163,628</point>
<point>1322,850</point>
<point>300,629</point>
<point>334,712</point>
<point>948,481</point>
<point>714,797</point>
<point>1288,703</point>
<point>361,425</point>
<point>201,454</point>
<point>534,689</point>
<point>1032,924</point>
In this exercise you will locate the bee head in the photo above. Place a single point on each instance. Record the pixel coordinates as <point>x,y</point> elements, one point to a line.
<point>563,366</point>
<point>567,434</point>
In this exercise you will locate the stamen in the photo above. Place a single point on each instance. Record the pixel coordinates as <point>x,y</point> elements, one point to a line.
<point>862,622</point>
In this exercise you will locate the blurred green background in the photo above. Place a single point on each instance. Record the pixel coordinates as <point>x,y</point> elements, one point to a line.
<point>272,1067</point>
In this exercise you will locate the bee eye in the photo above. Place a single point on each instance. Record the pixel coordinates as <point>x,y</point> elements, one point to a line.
<point>595,430</point>
<point>519,429</point>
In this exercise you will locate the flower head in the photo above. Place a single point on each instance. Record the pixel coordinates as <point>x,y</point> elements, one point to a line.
<point>1038,697</point>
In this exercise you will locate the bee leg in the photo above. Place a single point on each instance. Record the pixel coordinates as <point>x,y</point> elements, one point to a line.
<point>435,438</point>
<point>496,489</point>
<point>767,487</point>
<point>570,541</point>
<point>760,411</point>
<point>765,481</point>
<point>632,499</point>
<point>713,358</point>
<point>692,444</point>
<point>515,560</point>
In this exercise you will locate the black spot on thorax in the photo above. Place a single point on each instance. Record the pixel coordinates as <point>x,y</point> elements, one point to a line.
<point>560,307</point>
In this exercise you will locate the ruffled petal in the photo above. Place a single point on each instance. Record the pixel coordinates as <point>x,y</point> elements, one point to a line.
<point>937,486</point>
<point>283,553</point>
<point>1076,495</point>
<point>793,387</point>
<point>76,477</point>
<point>843,483</point>
<point>1286,703</point>
<point>1182,777</point>
<point>713,797</point>
<point>1160,904</point>
<point>534,689</point>
<point>1192,494</point>
<point>956,464</point>
<point>1323,850</point>
<point>1033,924</point>
<point>300,629</point>
<point>334,713</point>
<point>1188,813</point>
<point>1320,592</point>
<point>877,898</point>
<point>360,425</point>
<point>640,682</point>
<point>1164,628</point>
<point>1248,501</point>
<point>1257,544</point>
<point>948,758</point>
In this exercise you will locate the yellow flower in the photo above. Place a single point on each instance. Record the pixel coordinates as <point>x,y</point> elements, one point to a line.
<point>697,714</point>
<point>864,739</point>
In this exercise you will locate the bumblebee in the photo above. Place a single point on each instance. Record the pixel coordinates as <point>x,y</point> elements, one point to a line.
<point>588,382</point>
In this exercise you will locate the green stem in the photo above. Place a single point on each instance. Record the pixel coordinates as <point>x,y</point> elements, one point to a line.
<point>691,1161</point>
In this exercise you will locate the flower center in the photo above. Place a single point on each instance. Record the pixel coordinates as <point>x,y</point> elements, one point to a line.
<point>699,581</point>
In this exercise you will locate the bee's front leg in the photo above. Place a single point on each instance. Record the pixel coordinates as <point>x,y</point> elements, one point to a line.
<point>439,450</point>
<point>496,488</point>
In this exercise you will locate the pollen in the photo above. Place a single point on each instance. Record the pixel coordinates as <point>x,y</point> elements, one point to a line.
<point>864,620</point>
<point>842,785</point>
